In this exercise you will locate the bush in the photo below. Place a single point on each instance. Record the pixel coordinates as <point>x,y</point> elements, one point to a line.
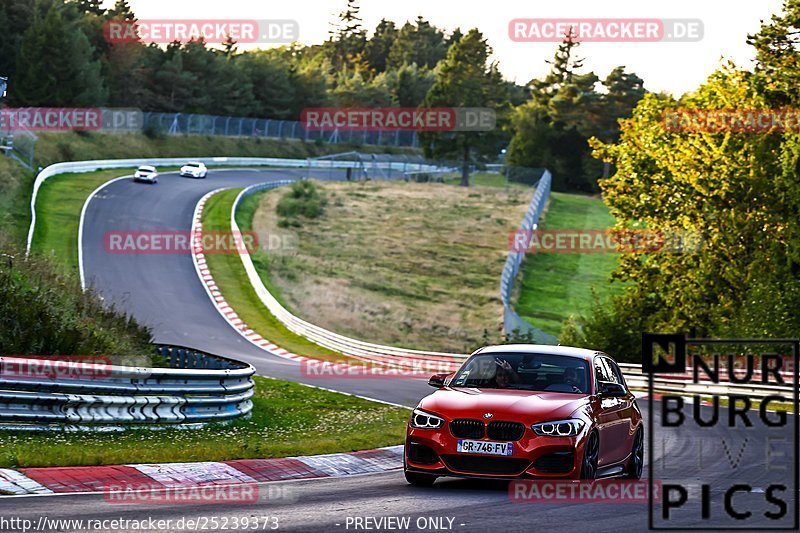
<point>45,312</point>
<point>612,327</point>
<point>304,199</point>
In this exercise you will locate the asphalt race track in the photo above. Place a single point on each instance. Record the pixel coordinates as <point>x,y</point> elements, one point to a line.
<point>163,292</point>
<point>327,504</point>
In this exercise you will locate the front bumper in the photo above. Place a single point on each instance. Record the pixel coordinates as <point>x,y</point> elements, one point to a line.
<point>433,451</point>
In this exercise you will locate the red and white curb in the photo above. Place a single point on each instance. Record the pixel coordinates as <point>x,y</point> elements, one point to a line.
<point>224,309</point>
<point>100,479</point>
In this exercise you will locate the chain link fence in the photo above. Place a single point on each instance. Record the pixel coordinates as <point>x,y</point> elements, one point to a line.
<point>19,143</point>
<point>188,124</point>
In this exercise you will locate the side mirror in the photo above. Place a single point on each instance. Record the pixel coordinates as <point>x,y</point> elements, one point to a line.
<point>612,390</point>
<point>437,380</point>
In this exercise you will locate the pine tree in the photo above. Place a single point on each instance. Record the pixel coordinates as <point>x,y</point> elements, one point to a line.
<point>55,66</point>
<point>465,78</point>
<point>562,69</point>
<point>349,39</point>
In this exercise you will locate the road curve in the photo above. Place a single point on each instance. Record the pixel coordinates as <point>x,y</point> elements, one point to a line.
<point>163,291</point>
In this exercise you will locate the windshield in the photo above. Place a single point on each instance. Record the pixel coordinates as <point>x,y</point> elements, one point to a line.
<point>525,371</point>
<point>197,165</point>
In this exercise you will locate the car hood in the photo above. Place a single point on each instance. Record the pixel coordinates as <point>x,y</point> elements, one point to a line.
<point>522,406</point>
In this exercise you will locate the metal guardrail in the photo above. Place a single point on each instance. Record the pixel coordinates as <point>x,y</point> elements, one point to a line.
<point>199,388</point>
<point>104,164</point>
<point>512,322</point>
<point>684,386</point>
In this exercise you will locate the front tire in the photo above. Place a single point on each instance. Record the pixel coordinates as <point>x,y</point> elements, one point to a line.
<point>419,480</point>
<point>636,462</point>
<point>591,454</point>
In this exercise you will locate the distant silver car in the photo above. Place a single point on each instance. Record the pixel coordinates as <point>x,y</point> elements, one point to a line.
<point>146,173</point>
<point>194,169</point>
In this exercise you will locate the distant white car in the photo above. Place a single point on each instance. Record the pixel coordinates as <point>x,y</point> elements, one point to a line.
<point>146,173</point>
<point>194,169</point>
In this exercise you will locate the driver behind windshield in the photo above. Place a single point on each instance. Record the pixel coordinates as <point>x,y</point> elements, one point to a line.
<point>504,375</point>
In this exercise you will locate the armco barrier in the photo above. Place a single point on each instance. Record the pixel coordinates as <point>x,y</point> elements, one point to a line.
<point>198,388</point>
<point>104,164</point>
<point>684,386</point>
<point>512,322</point>
<point>328,339</point>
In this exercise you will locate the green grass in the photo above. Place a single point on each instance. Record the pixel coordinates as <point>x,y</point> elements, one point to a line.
<point>16,183</point>
<point>415,265</point>
<point>485,179</point>
<point>554,286</point>
<point>58,213</point>
<point>288,419</point>
<point>231,278</point>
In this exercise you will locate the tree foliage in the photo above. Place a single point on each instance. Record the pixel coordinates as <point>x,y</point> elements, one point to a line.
<point>564,111</point>
<point>466,79</point>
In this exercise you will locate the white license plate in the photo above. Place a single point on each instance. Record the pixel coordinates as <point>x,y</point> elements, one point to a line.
<point>484,447</point>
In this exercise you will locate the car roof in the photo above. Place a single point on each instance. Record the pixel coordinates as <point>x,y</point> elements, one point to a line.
<point>146,167</point>
<point>545,349</point>
<point>194,163</point>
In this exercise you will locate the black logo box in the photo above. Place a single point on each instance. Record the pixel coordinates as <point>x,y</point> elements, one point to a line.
<point>678,366</point>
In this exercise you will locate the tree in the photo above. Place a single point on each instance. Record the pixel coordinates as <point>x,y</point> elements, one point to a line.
<point>465,78</point>
<point>95,7</point>
<point>563,67</point>
<point>354,91</point>
<point>376,51</point>
<point>567,103</point>
<point>55,65</point>
<point>737,195</point>
<point>420,43</point>
<point>121,11</point>
<point>777,56</point>
<point>15,18</point>
<point>413,83</point>
<point>271,78</point>
<point>349,39</point>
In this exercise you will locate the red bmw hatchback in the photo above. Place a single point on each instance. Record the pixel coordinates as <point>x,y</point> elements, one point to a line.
<point>527,411</point>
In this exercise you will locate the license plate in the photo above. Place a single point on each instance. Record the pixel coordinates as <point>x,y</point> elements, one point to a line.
<point>484,447</point>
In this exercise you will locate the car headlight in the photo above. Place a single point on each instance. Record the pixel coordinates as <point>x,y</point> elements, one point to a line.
<point>558,428</point>
<point>422,420</point>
